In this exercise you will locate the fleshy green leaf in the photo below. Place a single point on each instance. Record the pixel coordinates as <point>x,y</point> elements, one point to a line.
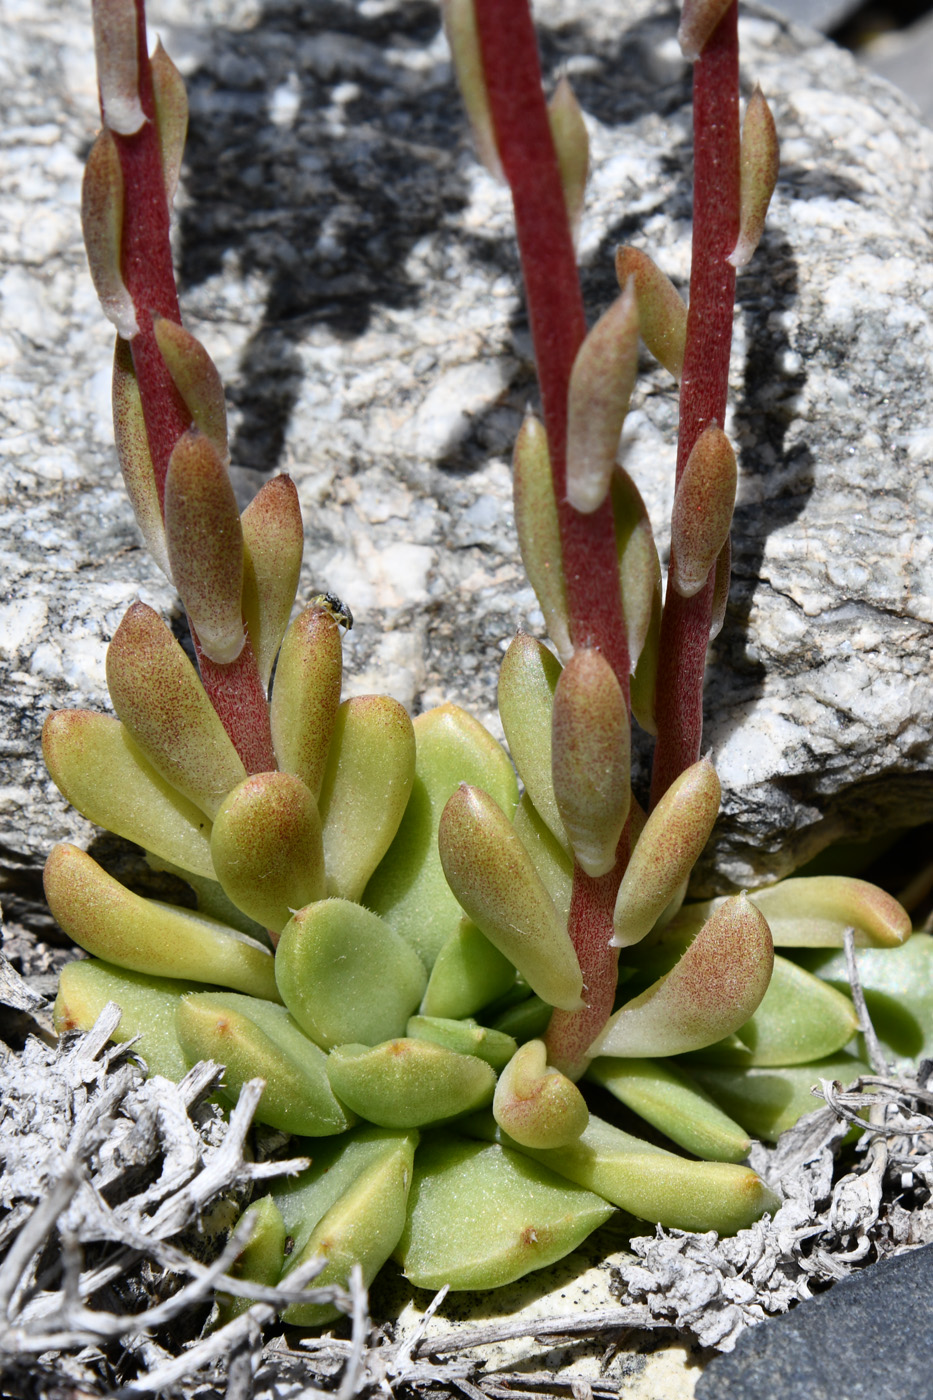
<point>256,1039</point>
<point>527,681</point>
<point>800,1019</point>
<point>115,49</point>
<point>195,376</point>
<point>205,544</point>
<point>536,1104</point>
<point>667,1098</point>
<point>462,36</point>
<point>572,144</point>
<point>408,1083</point>
<point>666,851</point>
<point>759,164</point>
<point>112,923</point>
<point>306,696</point>
<point>147,1004</point>
<point>158,696</point>
<point>267,848</point>
<point>480,1217</point>
<point>553,863</point>
<point>367,782</point>
<point>261,1260</point>
<point>538,530</point>
<point>639,566</point>
<point>601,383</point>
<point>171,107</point>
<point>464,1036</point>
<point>649,1182</point>
<point>132,443</point>
<point>409,889</point>
<point>898,987</point>
<point>710,992</point>
<point>273,540</point>
<point>769,1101</point>
<point>662,311</point>
<point>346,976</point>
<point>348,1208</point>
<point>102,224</point>
<point>102,773</point>
<point>468,973</point>
<point>698,21</point>
<point>590,759</point>
<point>491,873</point>
<point>702,513</point>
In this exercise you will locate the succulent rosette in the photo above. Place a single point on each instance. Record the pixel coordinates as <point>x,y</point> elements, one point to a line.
<point>439,964</point>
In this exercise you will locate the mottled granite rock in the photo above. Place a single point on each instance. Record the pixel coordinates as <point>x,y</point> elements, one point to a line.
<point>352,271</point>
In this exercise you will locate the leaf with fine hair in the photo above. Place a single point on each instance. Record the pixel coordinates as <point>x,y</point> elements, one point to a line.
<point>262,1258</point>
<point>111,922</point>
<point>482,1216</point>
<point>171,109</point>
<point>662,1093</point>
<point>492,876</point>
<point>536,1104</point>
<point>365,789</point>
<point>195,376</point>
<point>348,1208</point>
<point>639,566</point>
<point>590,761</point>
<point>812,911</point>
<point>702,514</point>
<point>666,851</point>
<point>273,543</point>
<point>465,1036</point>
<point>102,225</point>
<point>158,696</point>
<point>205,544</point>
<point>306,695</point>
<point>409,889</point>
<point>760,161</point>
<point>467,974</point>
<point>147,1005</point>
<point>97,767</point>
<point>345,976</point>
<point>552,862</point>
<point>646,1180</point>
<point>662,311</point>
<point>132,442</point>
<point>698,22</point>
<point>769,1101</point>
<point>267,848</point>
<point>257,1039</point>
<point>528,679</point>
<point>409,1083</point>
<point>460,27</point>
<point>572,144</point>
<point>601,384</point>
<point>536,524</point>
<point>713,989</point>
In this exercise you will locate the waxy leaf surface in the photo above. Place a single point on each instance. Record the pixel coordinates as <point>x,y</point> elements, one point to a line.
<point>409,1083</point>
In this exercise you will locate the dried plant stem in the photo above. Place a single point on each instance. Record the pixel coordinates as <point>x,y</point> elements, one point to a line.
<point>686,622</point>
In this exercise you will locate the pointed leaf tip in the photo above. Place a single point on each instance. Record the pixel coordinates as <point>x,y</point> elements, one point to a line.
<point>702,515</point>
<point>102,225</point>
<point>601,384</point>
<point>459,17</point>
<point>760,163</point>
<point>662,311</point>
<point>591,759</point>
<point>572,144</point>
<point>538,530</point>
<point>205,544</point>
<point>712,991</point>
<point>698,22</point>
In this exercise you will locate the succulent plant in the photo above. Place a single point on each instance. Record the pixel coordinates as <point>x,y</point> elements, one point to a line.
<point>417,957</point>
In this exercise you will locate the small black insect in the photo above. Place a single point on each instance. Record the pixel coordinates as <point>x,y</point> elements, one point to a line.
<point>337,609</point>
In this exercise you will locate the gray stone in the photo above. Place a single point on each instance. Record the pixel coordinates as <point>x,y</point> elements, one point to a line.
<point>353,273</point>
<point>868,1338</point>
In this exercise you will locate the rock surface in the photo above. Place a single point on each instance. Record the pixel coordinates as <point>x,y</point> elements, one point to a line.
<point>352,271</point>
<point>868,1338</point>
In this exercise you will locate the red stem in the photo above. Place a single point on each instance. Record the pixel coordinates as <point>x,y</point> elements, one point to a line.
<point>588,544</point>
<point>685,624</point>
<point>235,691</point>
<point>555,310</point>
